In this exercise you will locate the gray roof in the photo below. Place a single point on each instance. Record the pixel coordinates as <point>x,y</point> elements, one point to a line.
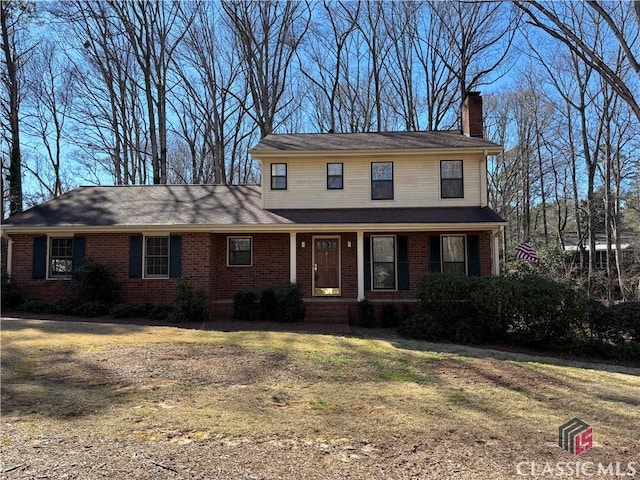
<point>369,141</point>
<point>193,205</point>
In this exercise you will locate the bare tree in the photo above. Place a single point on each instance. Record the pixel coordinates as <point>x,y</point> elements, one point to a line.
<point>475,40</point>
<point>14,15</point>
<point>211,99</point>
<point>154,30</point>
<point>326,49</point>
<point>267,34</point>
<point>107,109</point>
<point>559,19</point>
<point>49,102</point>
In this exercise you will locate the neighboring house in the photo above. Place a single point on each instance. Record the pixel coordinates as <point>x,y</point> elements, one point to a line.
<point>629,252</point>
<point>346,216</point>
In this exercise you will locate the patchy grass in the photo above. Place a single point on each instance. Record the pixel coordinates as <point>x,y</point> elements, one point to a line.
<point>373,401</point>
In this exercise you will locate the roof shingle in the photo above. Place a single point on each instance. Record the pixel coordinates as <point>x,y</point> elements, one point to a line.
<point>214,205</point>
<point>369,141</point>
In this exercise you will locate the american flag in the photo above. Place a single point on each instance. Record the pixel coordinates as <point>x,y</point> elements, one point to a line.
<point>525,251</point>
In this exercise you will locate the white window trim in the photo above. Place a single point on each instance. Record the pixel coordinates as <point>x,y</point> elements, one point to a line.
<point>144,256</point>
<point>466,250</point>
<point>395,261</point>
<point>229,251</point>
<point>57,277</point>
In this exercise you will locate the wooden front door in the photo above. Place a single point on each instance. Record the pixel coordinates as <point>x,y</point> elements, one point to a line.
<point>326,266</point>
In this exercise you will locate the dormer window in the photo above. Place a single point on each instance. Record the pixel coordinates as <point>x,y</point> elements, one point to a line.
<point>278,176</point>
<point>451,180</point>
<point>382,181</point>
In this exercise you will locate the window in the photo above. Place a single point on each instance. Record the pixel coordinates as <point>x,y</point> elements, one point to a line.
<point>278,176</point>
<point>383,259</point>
<point>156,257</point>
<point>334,176</point>
<point>239,251</point>
<point>453,254</point>
<point>381,181</point>
<point>60,257</point>
<point>451,179</point>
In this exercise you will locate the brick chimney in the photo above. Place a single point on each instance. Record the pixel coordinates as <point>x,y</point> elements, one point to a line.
<point>472,115</point>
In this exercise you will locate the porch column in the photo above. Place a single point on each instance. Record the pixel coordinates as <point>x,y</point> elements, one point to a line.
<point>495,252</point>
<point>293,256</point>
<point>360,263</point>
<point>9,255</point>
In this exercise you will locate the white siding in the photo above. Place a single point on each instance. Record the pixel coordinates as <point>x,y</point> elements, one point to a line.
<point>416,183</point>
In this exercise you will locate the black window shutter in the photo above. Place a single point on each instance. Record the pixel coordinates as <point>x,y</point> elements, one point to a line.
<point>79,245</point>
<point>403,263</point>
<point>367,264</point>
<point>434,254</point>
<point>135,256</point>
<point>473,250</point>
<point>39,268</point>
<point>175,256</point>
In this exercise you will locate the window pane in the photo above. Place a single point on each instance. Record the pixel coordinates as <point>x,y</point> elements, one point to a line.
<point>240,251</point>
<point>383,249</point>
<point>452,188</point>
<point>382,190</point>
<point>334,182</point>
<point>381,181</point>
<point>383,253</point>
<point>451,169</point>
<point>451,179</point>
<point>453,249</point>
<point>384,276</point>
<point>279,169</point>
<point>279,183</point>
<point>334,169</point>
<point>334,175</point>
<point>157,256</point>
<point>60,257</point>
<point>382,171</point>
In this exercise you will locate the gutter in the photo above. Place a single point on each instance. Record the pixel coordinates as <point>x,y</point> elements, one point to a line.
<point>236,228</point>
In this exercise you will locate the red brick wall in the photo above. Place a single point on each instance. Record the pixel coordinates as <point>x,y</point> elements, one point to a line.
<point>270,265</point>
<point>112,249</point>
<point>204,262</point>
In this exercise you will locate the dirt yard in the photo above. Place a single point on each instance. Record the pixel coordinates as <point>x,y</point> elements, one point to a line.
<point>97,400</point>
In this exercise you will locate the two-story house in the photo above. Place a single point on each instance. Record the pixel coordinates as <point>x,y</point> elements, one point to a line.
<point>346,216</point>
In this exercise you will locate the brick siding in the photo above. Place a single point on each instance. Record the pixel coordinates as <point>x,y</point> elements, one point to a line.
<point>204,263</point>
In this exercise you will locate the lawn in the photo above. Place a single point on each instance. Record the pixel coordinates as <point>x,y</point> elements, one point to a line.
<point>95,400</point>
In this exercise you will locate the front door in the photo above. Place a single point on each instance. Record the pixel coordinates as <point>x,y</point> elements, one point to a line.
<point>326,266</point>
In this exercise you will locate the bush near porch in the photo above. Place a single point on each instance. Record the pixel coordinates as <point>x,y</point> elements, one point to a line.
<point>523,310</point>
